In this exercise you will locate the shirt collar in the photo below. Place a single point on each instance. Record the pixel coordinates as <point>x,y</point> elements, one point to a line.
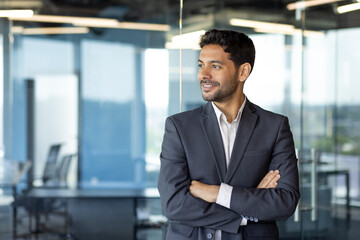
<point>220,114</point>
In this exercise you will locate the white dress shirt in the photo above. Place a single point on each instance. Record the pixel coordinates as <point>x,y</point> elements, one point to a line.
<point>228,134</point>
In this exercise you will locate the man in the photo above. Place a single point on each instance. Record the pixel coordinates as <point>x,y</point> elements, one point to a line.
<point>214,158</point>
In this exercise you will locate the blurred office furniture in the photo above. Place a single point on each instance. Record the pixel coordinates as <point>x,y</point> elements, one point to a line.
<point>59,175</point>
<point>54,177</point>
<point>50,169</point>
<point>11,173</point>
<point>63,170</point>
<point>43,209</point>
<point>149,217</point>
<point>315,205</point>
<point>103,214</point>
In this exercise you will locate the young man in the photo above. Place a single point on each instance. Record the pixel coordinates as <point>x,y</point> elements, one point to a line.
<point>214,158</point>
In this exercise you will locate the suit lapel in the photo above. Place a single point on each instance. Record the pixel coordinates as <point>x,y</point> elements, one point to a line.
<point>243,135</point>
<point>212,132</point>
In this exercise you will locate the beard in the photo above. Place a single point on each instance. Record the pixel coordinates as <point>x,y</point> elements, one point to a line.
<point>223,92</point>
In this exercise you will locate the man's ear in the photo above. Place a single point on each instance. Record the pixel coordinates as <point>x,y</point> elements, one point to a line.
<point>244,71</point>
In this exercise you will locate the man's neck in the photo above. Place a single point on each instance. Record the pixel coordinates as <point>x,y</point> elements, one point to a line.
<point>231,108</point>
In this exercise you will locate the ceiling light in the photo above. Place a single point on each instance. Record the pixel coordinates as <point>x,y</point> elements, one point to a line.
<point>17,29</point>
<point>84,21</point>
<point>16,13</point>
<point>310,3</point>
<point>55,30</point>
<point>143,26</point>
<point>259,24</point>
<point>21,4</point>
<point>93,22</point>
<point>294,31</point>
<point>126,25</point>
<point>348,8</point>
<point>266,27</point>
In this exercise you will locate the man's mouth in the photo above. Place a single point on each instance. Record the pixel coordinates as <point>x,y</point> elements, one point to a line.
<point>207,86</point>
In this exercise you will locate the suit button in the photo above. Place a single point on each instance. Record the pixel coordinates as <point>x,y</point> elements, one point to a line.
<point>209,235</point>
<point>256,220</point>
<point>251,219</point>
<point>246,217</point>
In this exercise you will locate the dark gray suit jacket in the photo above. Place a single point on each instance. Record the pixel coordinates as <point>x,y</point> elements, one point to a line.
<point>192,149</point>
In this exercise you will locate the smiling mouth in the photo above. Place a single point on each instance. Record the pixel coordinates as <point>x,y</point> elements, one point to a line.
<point>207,86</point>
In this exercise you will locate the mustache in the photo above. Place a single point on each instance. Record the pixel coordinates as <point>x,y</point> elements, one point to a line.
<point>209,82</point>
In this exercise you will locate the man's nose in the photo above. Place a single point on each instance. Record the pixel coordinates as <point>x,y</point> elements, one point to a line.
<point>204,73</point>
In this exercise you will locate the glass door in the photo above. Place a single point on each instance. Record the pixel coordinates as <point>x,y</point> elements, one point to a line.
<point>310,76</point>
<point>326,133</point>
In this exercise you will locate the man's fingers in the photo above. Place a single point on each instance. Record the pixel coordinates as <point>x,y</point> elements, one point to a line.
<point>266,180</point>
<point>270,180</point>
<point>268,177</point>
<point>273,182</point>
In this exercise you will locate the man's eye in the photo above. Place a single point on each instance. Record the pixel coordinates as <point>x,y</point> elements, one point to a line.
<point>201,65</point>
<point>216,66</point>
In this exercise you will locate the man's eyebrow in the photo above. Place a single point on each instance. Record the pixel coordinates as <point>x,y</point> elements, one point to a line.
<point>213,61</point>
<point>217,61</point>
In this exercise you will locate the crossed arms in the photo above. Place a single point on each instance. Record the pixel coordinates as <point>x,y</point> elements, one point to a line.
<point>190,202</point>
<point>209,193</point>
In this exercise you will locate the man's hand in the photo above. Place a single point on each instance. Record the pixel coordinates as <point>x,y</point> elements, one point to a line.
<point>270,180</point>
<point>204,191</point>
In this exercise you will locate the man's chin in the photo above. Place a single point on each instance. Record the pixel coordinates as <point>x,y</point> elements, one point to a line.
<point>207,97</point>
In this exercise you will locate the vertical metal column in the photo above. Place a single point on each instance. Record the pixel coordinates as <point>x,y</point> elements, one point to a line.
<point>5,29</point>
<point>30,126</point>
<point>314,185</point>
<point>297,215</point>
<point>138,123</point>
<point>77,61</point>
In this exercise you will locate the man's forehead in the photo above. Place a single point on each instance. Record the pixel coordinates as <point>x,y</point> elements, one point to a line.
<point>213,54</point>
<point>214,47</point>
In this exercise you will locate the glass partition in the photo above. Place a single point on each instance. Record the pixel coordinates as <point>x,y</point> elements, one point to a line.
<point>1,95</point>
<point>101,94</point>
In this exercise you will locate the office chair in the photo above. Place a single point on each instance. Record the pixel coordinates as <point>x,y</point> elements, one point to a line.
<point>55,207</point>
<point>63,170</point>
<point>54,176</point>
<point>50,169</point>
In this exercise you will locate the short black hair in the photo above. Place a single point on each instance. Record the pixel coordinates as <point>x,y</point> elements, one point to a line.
<point>239,45</point>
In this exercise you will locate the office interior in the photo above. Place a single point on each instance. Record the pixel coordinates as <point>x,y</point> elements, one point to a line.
<point>86,86</point>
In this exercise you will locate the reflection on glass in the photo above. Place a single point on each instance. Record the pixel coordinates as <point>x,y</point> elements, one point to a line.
<point>156,81</point>
<point>113,131</point>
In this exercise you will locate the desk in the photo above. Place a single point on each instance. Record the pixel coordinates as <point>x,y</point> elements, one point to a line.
<point>114,209</point>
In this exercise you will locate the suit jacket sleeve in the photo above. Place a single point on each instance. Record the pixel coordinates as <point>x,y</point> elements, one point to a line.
<point>174,182</point>
<point>278,203</point>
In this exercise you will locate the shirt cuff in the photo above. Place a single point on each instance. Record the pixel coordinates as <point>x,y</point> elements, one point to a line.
<point>224,196</point>
<point>243,222</point>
